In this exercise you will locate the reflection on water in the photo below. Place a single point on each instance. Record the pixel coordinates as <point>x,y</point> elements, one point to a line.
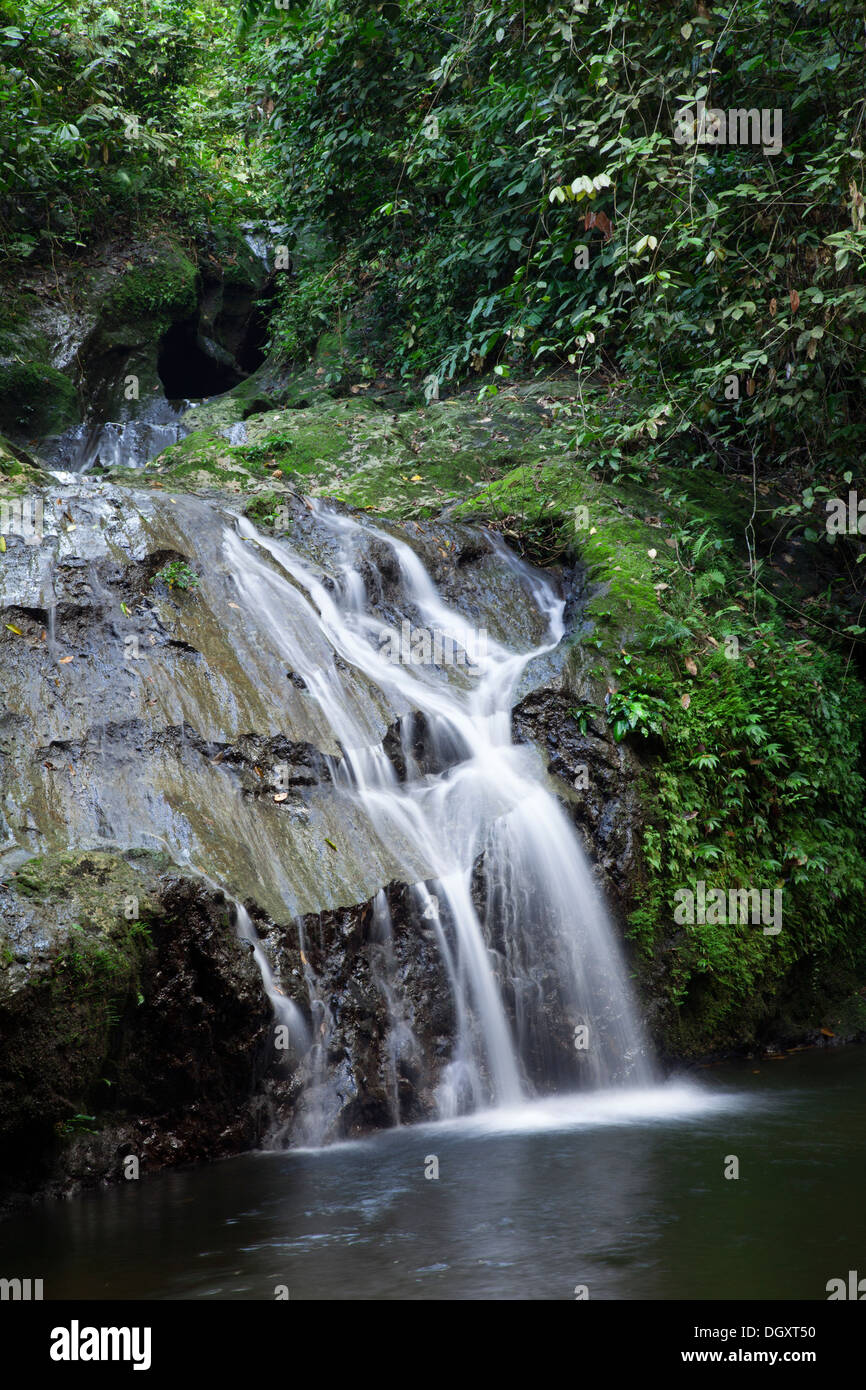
<point>622,1192</point>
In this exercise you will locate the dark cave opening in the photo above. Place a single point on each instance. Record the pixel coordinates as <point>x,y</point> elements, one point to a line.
<point>196,361</point>
<point>186,371</point>
<point>252,350</point>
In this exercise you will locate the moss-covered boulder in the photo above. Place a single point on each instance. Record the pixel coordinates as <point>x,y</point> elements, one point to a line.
<point>147,298</point>
<point>18,471</point>
<point>36,400</point>
<point>355,449</point>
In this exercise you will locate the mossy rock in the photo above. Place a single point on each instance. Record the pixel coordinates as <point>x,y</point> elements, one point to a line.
<point>36,400</point>
<point>69,955</point>
<point>400,465</point>
<point>19,338</point>
<point>150,296</point>
<point>241,268</point>
<point>18,471</point>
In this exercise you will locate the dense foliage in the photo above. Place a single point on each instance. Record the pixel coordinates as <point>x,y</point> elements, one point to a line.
<point>439,164</point>
<point>114,112</point>
<point>481,194</point>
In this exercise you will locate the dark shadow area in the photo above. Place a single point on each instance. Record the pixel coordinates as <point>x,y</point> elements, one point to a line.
<point>186,371</point>
<point>252,350</point>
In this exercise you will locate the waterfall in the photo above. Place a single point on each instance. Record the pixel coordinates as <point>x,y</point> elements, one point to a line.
<point>322,731</point>
<point>286,1011</point>
<point>529,954</point>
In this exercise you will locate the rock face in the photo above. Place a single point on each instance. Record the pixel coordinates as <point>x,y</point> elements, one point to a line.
<point>596,777</point>
<point>381,1064</point>
<point>132,1020</point>
<point>142,324</point>
<point>158,743</point>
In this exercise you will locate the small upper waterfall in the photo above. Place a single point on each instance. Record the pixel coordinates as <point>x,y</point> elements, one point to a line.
<point>508,882</point>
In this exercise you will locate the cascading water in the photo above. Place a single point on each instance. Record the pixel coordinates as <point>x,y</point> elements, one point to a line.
<point>286,1011</point>
<point>510,900</point>
<point>123,443</point>
<point>304,733</point>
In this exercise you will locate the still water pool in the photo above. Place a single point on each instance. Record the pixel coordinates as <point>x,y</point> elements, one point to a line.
<point>622,1192</point>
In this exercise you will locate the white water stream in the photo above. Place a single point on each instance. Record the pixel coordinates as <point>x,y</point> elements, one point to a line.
<point>490,801</point>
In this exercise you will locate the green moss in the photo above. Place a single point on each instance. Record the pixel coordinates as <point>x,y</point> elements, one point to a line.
<point>748,725</point>
<point>20,336</point>
<point>96,967</point>
<point>263,510</point>
<point>19,473</point>
<point>402,465</point>
<point>164,290</point>
<point>36,400</point>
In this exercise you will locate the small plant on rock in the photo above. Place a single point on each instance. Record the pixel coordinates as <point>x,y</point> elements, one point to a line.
<point>177,575</point>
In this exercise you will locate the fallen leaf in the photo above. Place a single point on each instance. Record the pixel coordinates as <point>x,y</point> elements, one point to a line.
<point>773,307</point>
<point>64,659</point>
<point>331,843</point>
<point>652,554</point>
<point>685,701</point>
<point>2,545</point>
<point>416,478</point>
<point>16,630</point>
<point>795,301</point>
<point>124,609</point>
<point>691,665</point>
<point>601,221</point>
<point>235,605</point>
<point>281,796</point>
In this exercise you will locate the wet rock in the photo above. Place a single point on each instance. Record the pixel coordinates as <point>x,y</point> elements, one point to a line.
<point>133,1022</point>
<point>347,969</point>
<point>137,327</point>
<point>138,716</point>
<point>597,778</point>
